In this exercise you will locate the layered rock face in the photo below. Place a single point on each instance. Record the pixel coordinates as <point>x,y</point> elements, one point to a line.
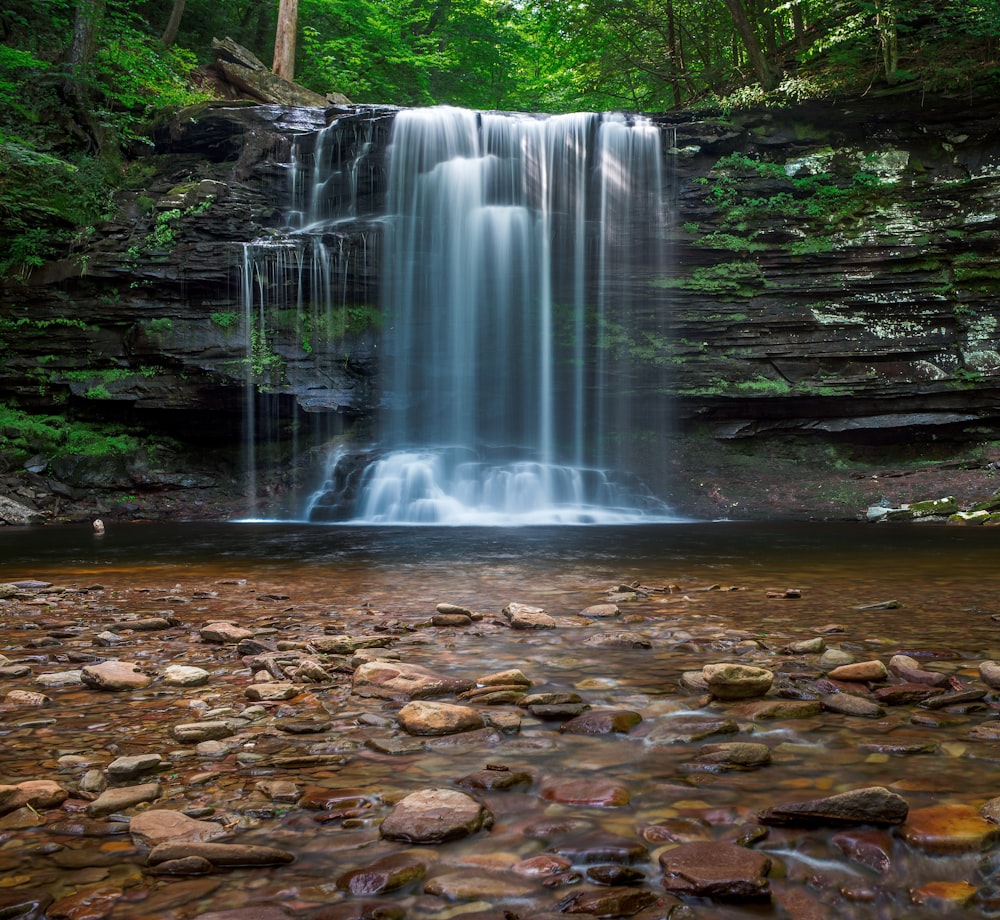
<point>835,271</point>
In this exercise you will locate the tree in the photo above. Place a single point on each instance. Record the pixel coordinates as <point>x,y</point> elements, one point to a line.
<point>78,81</point>
<point>284,39</point>
<point>765,71</point>
<point>169,35</point>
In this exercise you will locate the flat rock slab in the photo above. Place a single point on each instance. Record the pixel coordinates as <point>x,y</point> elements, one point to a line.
<point>711,869</point>
<point>871,805</point>
<point>225,855</point>
<point>392,680</point>
<point>160,825</point>
<point>614,901</point>
<point>774,710</point>
<point>465,885</point>
<point>847,704</point>
<point>115,675</point>
<point>689,729</point>
<point>112,800</point>
<point>950,828</point>
<point>224,633</point>
<point>422,717</point>
<point>384,875</point>
<point>602,722</point>
<point>434,816</point>
<point>735,753</point>
<point>596,793</point>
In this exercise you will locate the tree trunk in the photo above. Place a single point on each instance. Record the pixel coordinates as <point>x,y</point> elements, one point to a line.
<point>169,35</point>
<point>766,74</point>
<point>885,25</point>
<point>79,78</point>
<point>284,40</point>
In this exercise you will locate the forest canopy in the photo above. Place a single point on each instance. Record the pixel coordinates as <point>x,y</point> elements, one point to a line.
<point>81,80</point>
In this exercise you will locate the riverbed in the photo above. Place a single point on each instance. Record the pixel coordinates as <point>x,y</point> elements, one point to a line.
<point>703,593</point>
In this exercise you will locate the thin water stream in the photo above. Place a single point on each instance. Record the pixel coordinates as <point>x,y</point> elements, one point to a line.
<point>730,601</point>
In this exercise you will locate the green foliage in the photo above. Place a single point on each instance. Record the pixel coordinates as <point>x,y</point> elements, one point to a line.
<point>26,434</point>
<point>226,319</point>
<point>727,280</point>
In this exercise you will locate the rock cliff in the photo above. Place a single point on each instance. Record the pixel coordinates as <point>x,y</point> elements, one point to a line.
<point>836,277</point>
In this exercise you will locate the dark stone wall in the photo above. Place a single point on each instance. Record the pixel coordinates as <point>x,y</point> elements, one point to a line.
<point>836,274</point>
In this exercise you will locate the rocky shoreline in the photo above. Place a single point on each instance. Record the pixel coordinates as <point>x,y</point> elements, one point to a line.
<point>223,749</point>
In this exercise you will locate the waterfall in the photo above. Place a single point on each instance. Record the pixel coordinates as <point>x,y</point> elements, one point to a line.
<point>518,253</point>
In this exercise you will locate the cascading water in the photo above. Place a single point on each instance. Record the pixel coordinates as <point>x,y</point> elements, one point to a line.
<point>518,254</point>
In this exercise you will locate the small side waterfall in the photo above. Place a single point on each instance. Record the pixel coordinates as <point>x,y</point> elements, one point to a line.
<point>518,252</point>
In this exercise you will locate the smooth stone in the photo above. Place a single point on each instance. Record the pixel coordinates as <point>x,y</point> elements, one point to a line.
<point>595,846</point>
<point>618,640</point>
<point>860,672</point>
<point>38,794</point>
<point>323,799</point>
<point>729,681</point>
<point>521,616</point>
<point>115,675</point>
<point>614,875</point>
<point>184,867</point>
<point>453,609</point>
<point>402,682</point>
<point>495,780</point>
<point>812,646</point>
<point>949,828</point>
<point>905,694</point>
<point>713,869</point>
<point>737,753</point>
<point>689,729</point>
<point>767,710</point>
<point>179,675</point>
<point>989,673</point>
<point>991,810</point>
<point>131,767</point>
<point>835,658</point>
<point>869,848</point>
<point>390,873</point>
<point>907,668</point>
<point>230,855</point>
<point>542,866</point>
<point>196,732</point>
<point>279,790</point>
<point>422,717</point>
<point>451,620</point>
<point>224,633</point>
<point>602,722</point>
<point>849,705</point>
<point>349,645</point>
<point>356,910</point>
<point>434,816</point>
<point>159,825</point>
<point>870,805</point>
<point>464,885</point>
<point>60,679</point>
<point>594,793</point>
<point>28,699</point>
<point>617,901</point>
<point>272,691</point>
<point>121,797</point>
<point>693,682</point>
<point>601,611</point>
<point>513,677</point>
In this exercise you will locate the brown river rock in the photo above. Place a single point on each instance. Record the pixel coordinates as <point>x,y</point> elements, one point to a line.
<point>871,805</point>
<point>716,870</point>
<point>434,816</point>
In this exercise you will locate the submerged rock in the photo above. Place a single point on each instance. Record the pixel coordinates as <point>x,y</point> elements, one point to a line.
<point>871,805</point>
<point>711,869</point>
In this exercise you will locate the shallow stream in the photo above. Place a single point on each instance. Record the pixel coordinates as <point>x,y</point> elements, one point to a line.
<point>739,592</point>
